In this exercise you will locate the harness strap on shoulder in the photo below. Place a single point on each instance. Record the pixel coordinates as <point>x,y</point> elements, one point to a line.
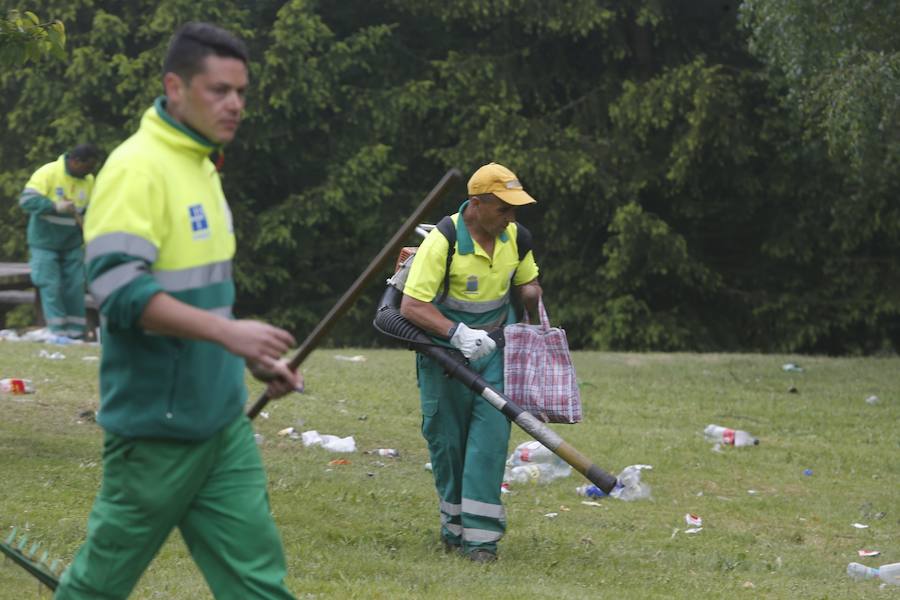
<point>523,240</point>
<point>448,229</point>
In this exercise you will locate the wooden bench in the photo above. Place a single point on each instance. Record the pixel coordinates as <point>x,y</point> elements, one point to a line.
<point>16,288</point>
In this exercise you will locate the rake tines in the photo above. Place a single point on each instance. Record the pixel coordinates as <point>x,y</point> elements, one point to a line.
<point>40,569</point>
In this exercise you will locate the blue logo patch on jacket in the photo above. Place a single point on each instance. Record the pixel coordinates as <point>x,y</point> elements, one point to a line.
<point>472,283</point>
<point>199,224</point>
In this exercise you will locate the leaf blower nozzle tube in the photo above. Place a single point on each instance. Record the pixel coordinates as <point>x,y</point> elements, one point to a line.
<point>390,322</point>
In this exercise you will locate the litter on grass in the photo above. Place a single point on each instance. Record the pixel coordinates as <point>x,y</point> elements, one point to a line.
<point>356,358</point>
<point>860,526</point>
<point>694,520</point>
<point>328,442</point>
<point>532,462</point>
<point>872,400</point>
<point>867,553</point>
<point>51,355</point>
<point>629,485</point>
<point>693,530</point>
<point>791,368</point>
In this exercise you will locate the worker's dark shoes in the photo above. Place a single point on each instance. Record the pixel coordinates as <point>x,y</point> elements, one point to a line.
<point>482,556</point>
<point>450,548</point>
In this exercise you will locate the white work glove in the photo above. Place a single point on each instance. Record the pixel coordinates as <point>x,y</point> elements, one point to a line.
<point>65,206</point>
<point>473,343</point>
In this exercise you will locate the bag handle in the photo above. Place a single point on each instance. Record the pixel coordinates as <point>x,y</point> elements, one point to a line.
<point>542,311</point>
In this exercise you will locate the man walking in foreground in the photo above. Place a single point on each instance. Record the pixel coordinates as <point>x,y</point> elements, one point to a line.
<point>56,197</point>
<point>178,449</point>
<point>467,437</point>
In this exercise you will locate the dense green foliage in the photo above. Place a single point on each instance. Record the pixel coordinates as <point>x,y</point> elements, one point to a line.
<point>710,175</point>
<point>24,37</point>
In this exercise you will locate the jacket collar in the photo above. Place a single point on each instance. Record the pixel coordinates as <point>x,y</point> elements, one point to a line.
<point>163,125</point>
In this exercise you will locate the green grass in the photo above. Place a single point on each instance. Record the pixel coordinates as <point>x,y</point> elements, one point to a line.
<point>369,529</point>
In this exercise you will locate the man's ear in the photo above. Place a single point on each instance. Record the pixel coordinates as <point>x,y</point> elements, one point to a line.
<point>174,86</point>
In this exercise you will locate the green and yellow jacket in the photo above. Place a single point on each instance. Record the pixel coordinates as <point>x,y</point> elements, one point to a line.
<point>51,183</point>
<point>159,222</point>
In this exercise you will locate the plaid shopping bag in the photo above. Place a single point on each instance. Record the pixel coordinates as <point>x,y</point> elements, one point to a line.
<point>538,374</point>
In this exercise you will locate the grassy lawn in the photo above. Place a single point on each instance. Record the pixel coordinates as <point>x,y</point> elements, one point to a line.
<point>370,529</point>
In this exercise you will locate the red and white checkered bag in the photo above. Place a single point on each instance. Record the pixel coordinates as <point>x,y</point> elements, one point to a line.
<point>538,374</point>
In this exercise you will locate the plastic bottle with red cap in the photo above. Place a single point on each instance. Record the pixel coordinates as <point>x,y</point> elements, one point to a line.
<point>729,437</point>
<point>16,386</point>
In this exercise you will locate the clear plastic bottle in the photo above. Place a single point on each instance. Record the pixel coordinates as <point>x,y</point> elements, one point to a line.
<point>535,463</point>
<point>535,473</point>
<point>389,452</point>
<point>887,573</point>
<point>16,386</point>
<point>531,452</point>
<point>729,437</point>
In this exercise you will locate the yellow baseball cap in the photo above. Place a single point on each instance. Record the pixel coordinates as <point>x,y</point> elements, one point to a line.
<point>500,181</point>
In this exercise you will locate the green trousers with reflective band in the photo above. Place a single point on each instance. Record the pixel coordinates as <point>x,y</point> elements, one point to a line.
<point>214,491</point>
<point>467,439</point>
<point>59,275</point>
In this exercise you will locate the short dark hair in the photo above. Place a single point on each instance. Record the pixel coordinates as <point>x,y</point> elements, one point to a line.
<point>84,152</point>
<point>193,42</point>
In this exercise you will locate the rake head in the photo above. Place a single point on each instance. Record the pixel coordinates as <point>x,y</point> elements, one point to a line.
<point>40,567</point>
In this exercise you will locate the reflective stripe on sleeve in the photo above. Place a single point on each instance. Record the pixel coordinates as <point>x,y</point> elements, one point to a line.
<point>483,509</point>
<point>28,194</point>
<point>126,243</point>
<point>195,277</point>
<point>115,278</point>
<point>69,221</point>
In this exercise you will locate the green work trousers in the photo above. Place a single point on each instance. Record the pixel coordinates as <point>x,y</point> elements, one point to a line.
<point>59,275</point>
<point>214,491</point>
<point>467,439</point>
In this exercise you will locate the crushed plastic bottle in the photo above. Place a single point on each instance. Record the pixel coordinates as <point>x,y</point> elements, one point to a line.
<point>16,386</point>
<point>532,462</point>
<point>389,452</point>
<point>889,574</point>
<point>729,437</point>
<point>629,485</point>
<point>590,491</point>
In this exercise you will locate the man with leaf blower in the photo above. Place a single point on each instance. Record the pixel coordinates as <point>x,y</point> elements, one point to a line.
<point>178,450</point>
<point>459,291</point>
